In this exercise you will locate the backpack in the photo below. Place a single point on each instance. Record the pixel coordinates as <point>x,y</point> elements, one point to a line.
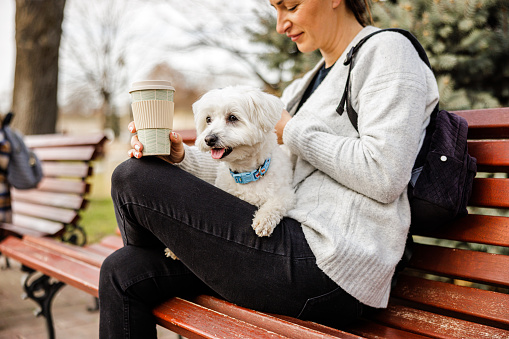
<point>24,170</point>
<point>443,173</point>
<point>5,188</point>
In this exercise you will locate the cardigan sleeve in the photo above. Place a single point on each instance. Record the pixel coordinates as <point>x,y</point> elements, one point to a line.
<point>390,94</point>
<point>199,164</point>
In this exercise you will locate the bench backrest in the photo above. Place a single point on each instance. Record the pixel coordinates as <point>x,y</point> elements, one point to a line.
<point>469,259</point>
<point>55,204</point>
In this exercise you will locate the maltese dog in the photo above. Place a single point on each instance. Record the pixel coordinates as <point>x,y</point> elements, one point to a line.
<point>236,125</point>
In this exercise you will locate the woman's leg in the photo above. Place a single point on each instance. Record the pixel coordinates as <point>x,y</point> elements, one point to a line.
<point>133,281</point>
<point>210,231</point>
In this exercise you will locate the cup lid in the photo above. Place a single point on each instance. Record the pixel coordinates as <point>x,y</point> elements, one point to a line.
<point>151,84</point>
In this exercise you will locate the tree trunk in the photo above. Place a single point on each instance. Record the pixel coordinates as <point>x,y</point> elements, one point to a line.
<point>38,32</point>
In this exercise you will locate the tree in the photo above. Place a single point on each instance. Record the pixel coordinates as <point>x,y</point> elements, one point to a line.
<point>467,43</point>
<point>94,52</point>
<point>268,56</point>
<point>38,32</point>
<point>186,93</point>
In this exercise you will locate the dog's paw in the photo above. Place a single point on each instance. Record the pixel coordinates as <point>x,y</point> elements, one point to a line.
<point>168,253</point>
<point>264,227</point>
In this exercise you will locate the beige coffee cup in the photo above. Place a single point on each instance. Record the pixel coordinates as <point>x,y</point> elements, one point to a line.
<point>153,107</point>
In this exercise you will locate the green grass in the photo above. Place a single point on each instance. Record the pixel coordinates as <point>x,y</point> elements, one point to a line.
<point>98,219</point>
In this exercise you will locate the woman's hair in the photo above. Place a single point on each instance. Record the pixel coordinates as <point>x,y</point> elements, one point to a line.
<point>361,10</point>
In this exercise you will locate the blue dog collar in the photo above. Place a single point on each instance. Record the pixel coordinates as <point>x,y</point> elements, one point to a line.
<point>247,177</point>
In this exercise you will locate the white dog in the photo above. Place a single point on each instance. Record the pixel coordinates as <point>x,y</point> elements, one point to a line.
<point>236,125</point>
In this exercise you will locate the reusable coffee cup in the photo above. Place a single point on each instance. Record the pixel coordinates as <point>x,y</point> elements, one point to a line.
<point>153,107</point>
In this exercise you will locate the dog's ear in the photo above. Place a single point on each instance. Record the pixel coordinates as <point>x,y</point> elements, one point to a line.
<point>268,109</point>
<point>197,122</point>
<point>199,114</point>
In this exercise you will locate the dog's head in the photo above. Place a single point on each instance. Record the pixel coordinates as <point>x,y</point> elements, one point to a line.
<point>231,120</point>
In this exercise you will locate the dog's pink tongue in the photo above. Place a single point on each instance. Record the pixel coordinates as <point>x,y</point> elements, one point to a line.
<point>217,153</point>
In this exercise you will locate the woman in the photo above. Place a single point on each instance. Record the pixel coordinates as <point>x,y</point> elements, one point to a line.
<point>335,254</point>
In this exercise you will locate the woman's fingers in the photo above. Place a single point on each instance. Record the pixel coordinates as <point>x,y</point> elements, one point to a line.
<point>177,149</point>
<point>177,146</point>
<point>132,127</point>
<point>136,145</point>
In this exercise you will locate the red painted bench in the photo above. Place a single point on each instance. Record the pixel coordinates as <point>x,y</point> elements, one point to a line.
<point>455,286</point>
<point>54,207</point>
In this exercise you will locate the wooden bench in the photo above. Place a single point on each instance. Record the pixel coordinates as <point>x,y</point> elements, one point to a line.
<point>54,207</point>
<point>455,286</point>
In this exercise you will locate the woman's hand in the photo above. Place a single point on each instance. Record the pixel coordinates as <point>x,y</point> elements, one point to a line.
<point>280,126</point>
<point>176,151</point>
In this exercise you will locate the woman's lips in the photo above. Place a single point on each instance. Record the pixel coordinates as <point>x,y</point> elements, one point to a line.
<point>295,37</point>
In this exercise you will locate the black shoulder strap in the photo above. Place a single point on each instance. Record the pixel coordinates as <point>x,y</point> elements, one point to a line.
<point>7,119</point>
<point>352,114</point>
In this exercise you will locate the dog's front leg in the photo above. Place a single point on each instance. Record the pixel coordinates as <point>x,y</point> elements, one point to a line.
<point>270,214</point>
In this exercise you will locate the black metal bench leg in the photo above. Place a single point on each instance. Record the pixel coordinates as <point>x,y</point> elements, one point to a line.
<point>95,307</point>
<point>6,261</point>
<point>42,290</point>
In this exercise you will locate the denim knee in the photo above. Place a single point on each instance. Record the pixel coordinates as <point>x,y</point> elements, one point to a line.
<point>108,278</point>
<point>123,176</point>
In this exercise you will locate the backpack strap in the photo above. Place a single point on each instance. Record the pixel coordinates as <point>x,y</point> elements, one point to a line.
<point>7,119</point>
<point>352,114</point>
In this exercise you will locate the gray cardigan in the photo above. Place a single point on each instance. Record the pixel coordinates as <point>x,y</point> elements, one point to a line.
<point>351,189</point>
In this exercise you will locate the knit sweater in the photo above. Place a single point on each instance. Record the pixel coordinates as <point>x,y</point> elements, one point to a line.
<point>351,186</point>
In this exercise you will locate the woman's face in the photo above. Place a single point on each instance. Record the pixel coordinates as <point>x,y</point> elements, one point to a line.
<point>307,22</point>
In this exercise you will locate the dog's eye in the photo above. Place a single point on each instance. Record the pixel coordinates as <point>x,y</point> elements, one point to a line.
<point>232,118</point>
<point>208,120</point>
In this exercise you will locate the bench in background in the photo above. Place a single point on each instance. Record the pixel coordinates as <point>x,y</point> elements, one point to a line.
<point>455,286</point>
<point>53,208</point>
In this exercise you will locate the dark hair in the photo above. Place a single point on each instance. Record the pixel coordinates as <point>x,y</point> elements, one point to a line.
<point>361,10</point>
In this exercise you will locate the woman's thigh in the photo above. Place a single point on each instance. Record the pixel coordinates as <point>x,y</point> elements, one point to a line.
<point>210,232</point>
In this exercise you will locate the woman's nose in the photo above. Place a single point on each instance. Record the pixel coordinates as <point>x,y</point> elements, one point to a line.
<point>282,24</point>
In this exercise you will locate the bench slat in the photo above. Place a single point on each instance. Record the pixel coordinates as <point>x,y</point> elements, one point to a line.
<point>76,252</point>
<point>373,330</point>
<point>51,140</point>
<point>112,241</point>
<point>463,264</point>
<point>63,186</point>
<point>18,230</point>
<point>482,229</point>
<point>195,321</point>
<point>63,169</point>
<point>78,153</point>
<point>72,272</point>
<point>47,212</point>
<point>469,301</point>
<point>188,136</point>
<point>63,200</point>
<point>491,123</point>
<point>435,325</point>
<point>490,192</point>
<point>491,155</point>
<point>272,323</point>
<point>100,249</point>
<point>48,227</point>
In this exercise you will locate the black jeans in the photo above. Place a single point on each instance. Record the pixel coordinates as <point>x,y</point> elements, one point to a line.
<point>159,205</point>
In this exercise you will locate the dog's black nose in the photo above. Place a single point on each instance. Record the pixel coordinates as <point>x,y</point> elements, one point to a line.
<point>211,139</point>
